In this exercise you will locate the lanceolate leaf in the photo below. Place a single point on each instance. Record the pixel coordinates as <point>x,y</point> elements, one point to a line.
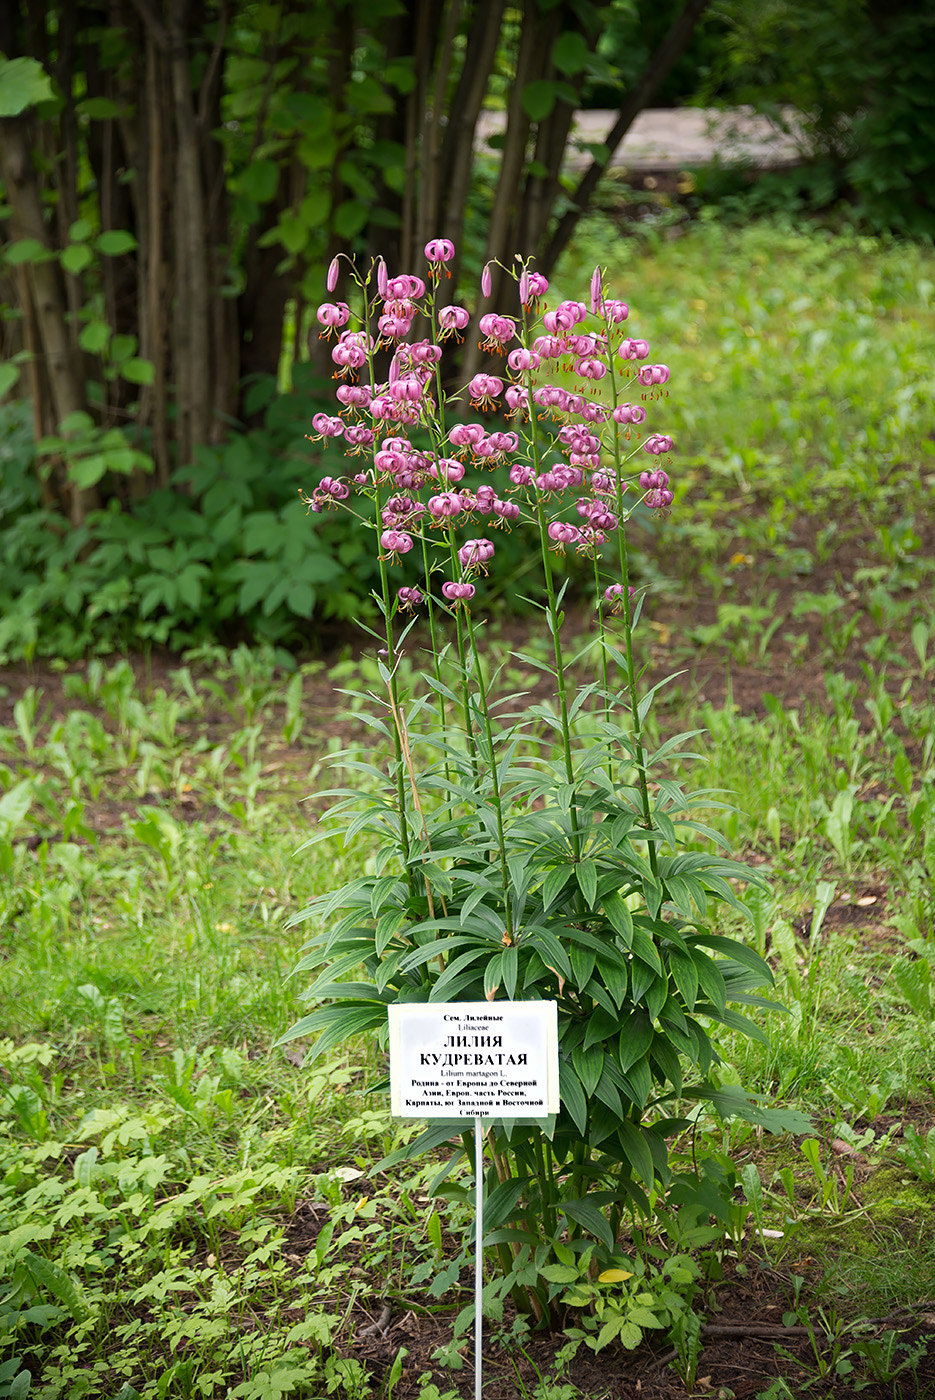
<point>618,913</point>
<point>501,1205</point>
<point>685,976</point>
<point>335,1024</point>
<point>572,1095</point>
<point>588,1065</point>
<point>583,1213</point>
<point>732,948</point>
<point>636,1036</point>
<point>586,872</point>
<point>637,1151</point>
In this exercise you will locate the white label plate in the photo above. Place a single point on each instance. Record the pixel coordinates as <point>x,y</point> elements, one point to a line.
<point>474,1059</point>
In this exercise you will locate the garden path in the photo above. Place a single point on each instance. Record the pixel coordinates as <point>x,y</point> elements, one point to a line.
<point>683,138</point>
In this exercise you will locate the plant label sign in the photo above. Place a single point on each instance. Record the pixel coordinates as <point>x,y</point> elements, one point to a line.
<point>474,1059</point>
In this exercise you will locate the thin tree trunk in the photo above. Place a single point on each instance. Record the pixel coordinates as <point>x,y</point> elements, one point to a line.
<point>433,132</point>
<point>154,337</point>
<point>541,190</point>
<point>551,136</point>
<point>46,290</point>
<point>260,309</point>
<point>660,65</point>
<point>225,362</point>
<point>67,204</point>
<point>191,313</point>
<point>457,156</point>
<point>513,158</point>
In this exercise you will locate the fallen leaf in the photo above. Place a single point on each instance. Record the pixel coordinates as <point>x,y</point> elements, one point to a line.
<point>347,1173</point>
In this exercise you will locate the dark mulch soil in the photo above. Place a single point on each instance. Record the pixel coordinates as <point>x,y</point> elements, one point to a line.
<point>745,1345</point>
<point>738,1363</point>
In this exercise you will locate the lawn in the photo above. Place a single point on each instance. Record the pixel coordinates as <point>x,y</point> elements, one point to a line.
<point>188,1210</point>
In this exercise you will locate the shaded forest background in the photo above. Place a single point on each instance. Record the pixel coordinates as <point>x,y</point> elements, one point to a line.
<point>178,173</point>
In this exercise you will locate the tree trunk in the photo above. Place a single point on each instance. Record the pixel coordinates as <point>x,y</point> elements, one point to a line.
<point>46,291</point>
<point>191,313</point>
<point>457,156</point>
<point>660,65</point>
<point>532,51</point>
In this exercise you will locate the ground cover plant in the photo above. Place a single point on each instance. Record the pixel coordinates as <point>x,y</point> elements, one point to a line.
<point>187,1211</point>
<point>531,850</point>
<point>809,415</point>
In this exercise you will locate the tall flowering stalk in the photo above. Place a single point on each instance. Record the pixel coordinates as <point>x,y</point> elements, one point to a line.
<point>538,851</point>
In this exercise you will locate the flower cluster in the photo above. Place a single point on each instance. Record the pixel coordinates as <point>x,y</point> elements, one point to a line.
<point>568,460</point>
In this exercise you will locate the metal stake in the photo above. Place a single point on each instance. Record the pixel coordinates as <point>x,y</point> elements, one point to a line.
<point>478,1258</point>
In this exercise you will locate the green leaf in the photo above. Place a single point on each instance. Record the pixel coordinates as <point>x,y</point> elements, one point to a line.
<point>611,1330</point>
<point>617,911</point>
<point>560,1273</point>
<point>99,109</point>
<point>189,582</point>
<point>114,242</point>
<point>586,872</point>
<point>588,1065</point>
<point>582,964</point>
<point>80,230</point>
<point>586,1214</point>
<point>76,258</point>
<point>23,83</point>
<point>550,950</point>
<point>685,976</point>
<point>301,599</point>
<point>639,1082</point>
<point>600,1027</point>
<point>335,1024</point>
<point>137,371</point>
<point>94,336</point>
<point>122,347</point>
<point>539,98</point>
<point>435,1136</point>
<point>636,1036</point>
<point>733,948</point>
<point>642,1317</point>
<point>303,108</point>
<point>350,218</point>
<point>731,1102</point>
<point>53,1280</point>
<point>87,471</point>
<point>259,181</point>
<point>317,153</point>
<point>14,804</point>
<point>293,232</point>
<point>556,880</point>
<point>399,74</point>
<point>501,1205</point>
<point>26,250</point>
<point>636,1150</point>
<point>644,946</point>
<point>493,975</point>
<point>709,978</point>
<point>572,1095</point>
<point>614,977</point>
<point>630,1336</point>
<point>9,374</point>
<point>570,52</point>
<point>509,965</point>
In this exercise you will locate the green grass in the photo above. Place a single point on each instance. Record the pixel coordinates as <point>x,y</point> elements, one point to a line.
<point>164,1170</point>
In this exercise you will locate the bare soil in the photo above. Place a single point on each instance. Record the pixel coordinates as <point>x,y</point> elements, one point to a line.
<point>745,1343</point>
